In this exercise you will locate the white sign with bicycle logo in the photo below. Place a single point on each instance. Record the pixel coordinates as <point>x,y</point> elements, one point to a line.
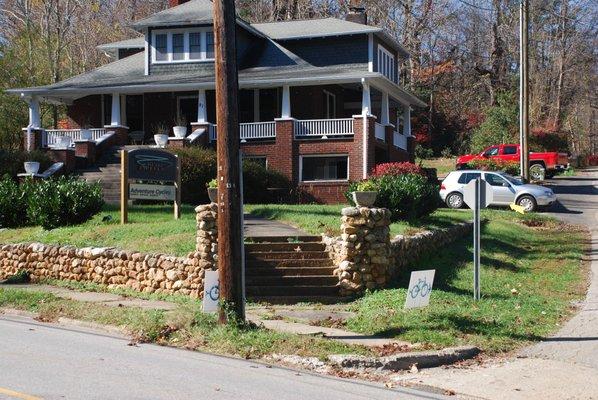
<point>420,288</point>
<point>211,293</point>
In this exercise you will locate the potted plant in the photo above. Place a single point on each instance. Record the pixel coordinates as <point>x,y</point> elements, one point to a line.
<point>86,132</point>
<point>213,190</point>
<point>365,195</point>
<point>180,129</point>
<point>31,167</point>
<point>161,135</point>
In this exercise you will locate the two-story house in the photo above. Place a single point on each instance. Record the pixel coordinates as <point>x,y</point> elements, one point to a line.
<point>320,100</point>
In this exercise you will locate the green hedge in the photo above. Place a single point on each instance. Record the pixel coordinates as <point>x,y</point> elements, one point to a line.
<point>198,168</point>
<point>408,196</point>
<point>49,203</point>
<point>12,162</point>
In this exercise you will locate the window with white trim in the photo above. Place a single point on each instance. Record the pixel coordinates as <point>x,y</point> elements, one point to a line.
<point>386,63</point>
<point>329,104</point>
<point>324,168</point>
<point>182,45</point>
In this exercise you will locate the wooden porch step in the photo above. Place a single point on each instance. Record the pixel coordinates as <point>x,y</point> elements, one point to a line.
<point>321,262</point>
<point>302,290</point>
<point>292,281</point>
<point>281,246</point>
<point>286,255</point>
<point>283,239</point>
<point>289,271</point>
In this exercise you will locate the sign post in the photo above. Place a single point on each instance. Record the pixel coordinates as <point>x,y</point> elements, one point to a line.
<point>477,194</point>
<point>151,170</point>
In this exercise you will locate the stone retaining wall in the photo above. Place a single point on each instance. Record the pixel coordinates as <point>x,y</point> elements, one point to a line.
<point>149,273</point>
<point>365,257</point>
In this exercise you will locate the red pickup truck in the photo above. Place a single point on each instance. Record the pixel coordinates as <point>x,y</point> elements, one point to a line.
<point>541,164</point>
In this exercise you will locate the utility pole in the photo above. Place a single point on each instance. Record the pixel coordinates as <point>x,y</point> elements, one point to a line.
<point>230,235</point>
<point>523,89</point>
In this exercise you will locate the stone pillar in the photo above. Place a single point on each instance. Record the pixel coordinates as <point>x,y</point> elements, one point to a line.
<point>85,152</point>
<point>286,159</point>
<point>363,254</point>
<point>203,140</point>
<point>206,248</point>
<point>35,141</point>
<point>363,151</point>
<point>120,132</point>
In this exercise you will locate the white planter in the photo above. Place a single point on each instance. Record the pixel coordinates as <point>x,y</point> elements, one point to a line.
<point>364,199</point>
<point>31,167</point>
<point>180,131</point>
<point>86,134</point>
<point>161,140</point>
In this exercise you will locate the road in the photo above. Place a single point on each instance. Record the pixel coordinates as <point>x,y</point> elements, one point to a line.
<point>564,366</point>
<point>50,361</point>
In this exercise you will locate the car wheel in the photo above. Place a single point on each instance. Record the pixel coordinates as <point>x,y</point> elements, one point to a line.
<point>528,203</point>
<point>454,200</point>
<point>537,172</point>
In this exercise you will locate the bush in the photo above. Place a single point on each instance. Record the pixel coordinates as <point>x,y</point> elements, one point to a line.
<point>495,164</point>
<point>397,168</point>
<point>64,201</point>
<point>198,167</point>
<point>501,123</point>
<point>423,153</point>
<point>447,152</point>
<point>11,162</point>
<point>408,196</point>
<point>13,203</point>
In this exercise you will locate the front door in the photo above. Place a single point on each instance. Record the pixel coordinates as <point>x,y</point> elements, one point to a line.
<point>502,190</point>
<point>134,112</point>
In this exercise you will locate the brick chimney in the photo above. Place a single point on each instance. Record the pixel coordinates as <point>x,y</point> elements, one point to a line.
<point>357,13</point>
<point>174,3</point>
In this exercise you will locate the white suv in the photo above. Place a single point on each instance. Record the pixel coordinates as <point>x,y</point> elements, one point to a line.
<point>505,189</point>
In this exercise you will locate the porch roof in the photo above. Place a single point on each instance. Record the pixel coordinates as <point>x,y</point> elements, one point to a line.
<point>134,43</point>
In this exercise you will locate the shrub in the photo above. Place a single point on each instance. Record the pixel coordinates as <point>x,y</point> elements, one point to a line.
<point>423,153</point>
<point>495,164</point>
<point>13,203</point>
<point>64,201</point>
<point>593,159</point>
<point>198,167</point>
<point>366,186</point>
<point>408,196</point>
<point>447,152</point>
<point>397,168</point>
<point>11,162</point>
<point>257,180</point>
<point>501,123</point>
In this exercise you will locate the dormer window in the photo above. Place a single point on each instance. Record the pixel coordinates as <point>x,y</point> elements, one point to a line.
<point>386,63</point>
<point>182,45</point>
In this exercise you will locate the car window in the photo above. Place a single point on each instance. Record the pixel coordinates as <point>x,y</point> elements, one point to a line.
<point>509,150</point>
<point>492,151</point>
<point>466,177</point>
<point>495,180</point>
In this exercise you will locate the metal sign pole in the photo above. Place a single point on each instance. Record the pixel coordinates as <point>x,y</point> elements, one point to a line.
<point>476,240</point>
<point>124,186</point>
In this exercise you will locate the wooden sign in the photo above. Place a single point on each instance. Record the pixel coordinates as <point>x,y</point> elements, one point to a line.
<point>150,169</point>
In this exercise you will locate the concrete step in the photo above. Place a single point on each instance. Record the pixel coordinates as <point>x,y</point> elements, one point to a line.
<point>318,263</point>
<point>283,239</point>
<point>289,271</point>
<point>274,247</point>
<point>303,290</point>
<point>335,299</point>
<point>286,255</point>
<point>292,281</point>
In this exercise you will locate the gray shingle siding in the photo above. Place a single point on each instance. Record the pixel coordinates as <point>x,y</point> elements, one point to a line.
<point>331,50</point>
<point>206,67</point>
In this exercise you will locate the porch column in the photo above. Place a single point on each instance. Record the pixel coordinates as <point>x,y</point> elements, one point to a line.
<point>286,102</point>
<point>34,114</point>
<point>115,119</point>
<point>384,111</point>
<point>407,120</point>
<point>256,105</point>
<point>202,113</point>
<point>366,104</point>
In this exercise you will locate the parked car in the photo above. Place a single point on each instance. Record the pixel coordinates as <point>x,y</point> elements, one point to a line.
<point>542,165</point>
<point>505,189</point>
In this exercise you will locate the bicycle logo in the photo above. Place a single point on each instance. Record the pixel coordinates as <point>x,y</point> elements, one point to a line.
<point>214,293</point>
<point>422,289</point>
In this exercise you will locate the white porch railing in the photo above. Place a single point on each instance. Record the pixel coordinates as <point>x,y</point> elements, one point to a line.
<point>380,131</point>
<point>53,137</point>
<point>324,127</point>
<point>399,140</point>
<point>251,130</point>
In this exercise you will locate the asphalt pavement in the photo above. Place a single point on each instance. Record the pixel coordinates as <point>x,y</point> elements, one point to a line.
<point>49,361</point>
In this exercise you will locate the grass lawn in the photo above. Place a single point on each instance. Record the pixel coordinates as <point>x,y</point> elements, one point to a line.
<point>443,165</point>
<point>186,327</point>
<point>530,276</point>
<point>152,228</point>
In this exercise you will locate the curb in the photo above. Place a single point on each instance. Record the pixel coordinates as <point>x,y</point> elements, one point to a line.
<point>404,361</point>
